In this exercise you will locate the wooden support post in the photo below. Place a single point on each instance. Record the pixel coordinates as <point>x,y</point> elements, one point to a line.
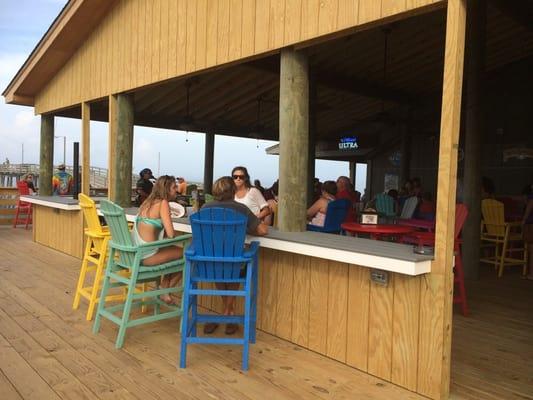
<point>46,161</point>
<point>474,126</point>
<point>209,161</point>
<point>113,122</point>
<point>123,151</point>
<point>293,140</point>
<point>312,140</point>
<point>353,172</point>
<point>85,148</point>
<point>435,326</point>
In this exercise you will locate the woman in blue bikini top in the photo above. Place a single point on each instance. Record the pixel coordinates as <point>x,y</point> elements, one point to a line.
<point>153,223</point>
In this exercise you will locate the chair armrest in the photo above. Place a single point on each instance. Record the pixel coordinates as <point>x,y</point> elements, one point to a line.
<point>252,250</point>
<point>165,242</point>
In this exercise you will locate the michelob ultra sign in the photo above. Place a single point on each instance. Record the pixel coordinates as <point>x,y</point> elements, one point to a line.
<point>348,143</point>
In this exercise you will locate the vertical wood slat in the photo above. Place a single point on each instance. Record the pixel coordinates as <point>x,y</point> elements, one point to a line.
<point>269,296</point>
<point>380,329</point>
<point>201,33</point>
<point>190,54</point>
<point>164,39</point>
<point>436,297</point>
<point>223,31</point>
<point>248,27</point>
<point>276,29</point>
<point>156,39</point>
<point>348,13</point>
<point>300,303</point>
<point>358,310</point>
<point>172,37</point>
<point>327,16</point>
<point>405,330</point>
<point>391,7</point>
<point>141,48</point>
<point>85,148</point>
<point>148,42</point>
<point>262,21</point>
<point>284,295</point>
<point>293,21</point>
<point>182,37</point>
<point>318,307</point>
<point>212,32</point>
<point>369,10</point>
<point>310,12</point>
<point>337,311</point>
<point>235,30</point>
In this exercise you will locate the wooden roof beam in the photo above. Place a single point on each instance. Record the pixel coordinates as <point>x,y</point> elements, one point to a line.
<point>350,85</point>
<point>520,11</point>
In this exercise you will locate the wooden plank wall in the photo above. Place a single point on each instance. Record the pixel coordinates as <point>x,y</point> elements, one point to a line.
<point>334,309</point>
<point>8,204</point>
<point>59,229</point>
<point>142,42</point>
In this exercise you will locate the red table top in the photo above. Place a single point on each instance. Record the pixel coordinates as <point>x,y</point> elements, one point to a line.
<point>379,229</point>
<point>418,223</point>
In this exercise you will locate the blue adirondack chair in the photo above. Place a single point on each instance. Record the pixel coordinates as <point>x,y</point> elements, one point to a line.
<point>217,254</point>
<point>129,260</point>
<point>385,205</point>
<point>335,216</point>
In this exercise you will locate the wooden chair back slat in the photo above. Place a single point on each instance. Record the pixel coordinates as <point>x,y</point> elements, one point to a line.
<point>218,232</point>
<point>88,206</point>
<point>493,216</point>
<point>409,207</point>
<point>118,225</point>
<point>385,205</point>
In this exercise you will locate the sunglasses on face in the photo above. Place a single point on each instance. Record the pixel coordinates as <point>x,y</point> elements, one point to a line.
<point>241,177</point>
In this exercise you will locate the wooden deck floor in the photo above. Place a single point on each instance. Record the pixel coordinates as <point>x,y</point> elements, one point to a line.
<point>48,350</point>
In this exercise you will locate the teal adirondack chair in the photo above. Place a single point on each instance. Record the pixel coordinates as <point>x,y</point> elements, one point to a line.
<point>385,205</point>
<point>124,255</point>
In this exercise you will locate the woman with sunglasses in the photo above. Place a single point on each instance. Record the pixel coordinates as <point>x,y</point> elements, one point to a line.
<point>248,195</point>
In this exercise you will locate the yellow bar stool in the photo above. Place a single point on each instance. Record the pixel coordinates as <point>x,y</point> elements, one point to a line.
<point>94,259</point>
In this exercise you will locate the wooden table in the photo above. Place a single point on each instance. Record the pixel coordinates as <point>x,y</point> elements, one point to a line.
<point>378,230</point>
<point>418,223</point>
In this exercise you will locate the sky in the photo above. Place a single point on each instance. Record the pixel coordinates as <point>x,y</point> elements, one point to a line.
<point>22,25</point>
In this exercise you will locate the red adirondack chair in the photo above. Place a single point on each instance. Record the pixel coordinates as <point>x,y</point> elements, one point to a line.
<point>23,207</point>
<point>428,239</point>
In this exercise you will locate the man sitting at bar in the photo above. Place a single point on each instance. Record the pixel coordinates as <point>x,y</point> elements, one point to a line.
<point>182,186</point>
<point>144,186</point>
<point>224,192</point>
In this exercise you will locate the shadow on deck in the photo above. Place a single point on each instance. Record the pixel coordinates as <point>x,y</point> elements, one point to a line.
<point>49,352</point>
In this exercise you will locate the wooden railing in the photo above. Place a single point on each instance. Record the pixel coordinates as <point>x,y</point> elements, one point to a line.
<point>8,203</point>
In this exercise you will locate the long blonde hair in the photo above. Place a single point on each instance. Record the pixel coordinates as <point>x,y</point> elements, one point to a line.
<point>160,191</point>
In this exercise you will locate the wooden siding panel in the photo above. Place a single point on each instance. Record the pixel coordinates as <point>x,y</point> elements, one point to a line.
<point>358,309</point>
<point>405,331</point>
<point>235,30</point>
<point>293,21</point>
<point>201,34</point>
<point>310,11</point>
<point>369,10</point>
<point>248,27</point>
<point>190,54</point>
<point>284,295</point>
<point>327,16</point>
<point>172,37</point>
<point>380,329</point>
<point>318,306</point>
<point>212,33</point>
<point>223,31</point>
<point>270,293</point>
<point>337,311</point>
<point>276,28</point>
<point>141,42</point>
<point>182,36</point>
<point>300,304</point>
<point>164,43</point>
<point>348,13</point>
<point>262,21</point>
<point>391,7</point>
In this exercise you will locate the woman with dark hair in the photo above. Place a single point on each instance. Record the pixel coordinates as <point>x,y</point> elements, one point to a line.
<point>317,212</point>
<point>248,195</point>
<point>153,223</point>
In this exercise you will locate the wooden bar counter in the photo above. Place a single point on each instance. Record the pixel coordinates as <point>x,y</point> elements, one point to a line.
<point>314,290</point>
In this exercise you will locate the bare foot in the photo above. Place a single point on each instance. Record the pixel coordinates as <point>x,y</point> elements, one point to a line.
<point>166,298</point>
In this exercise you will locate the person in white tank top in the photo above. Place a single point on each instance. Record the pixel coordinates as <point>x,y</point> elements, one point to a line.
<point>248,195</point>
<point>316,214</point>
